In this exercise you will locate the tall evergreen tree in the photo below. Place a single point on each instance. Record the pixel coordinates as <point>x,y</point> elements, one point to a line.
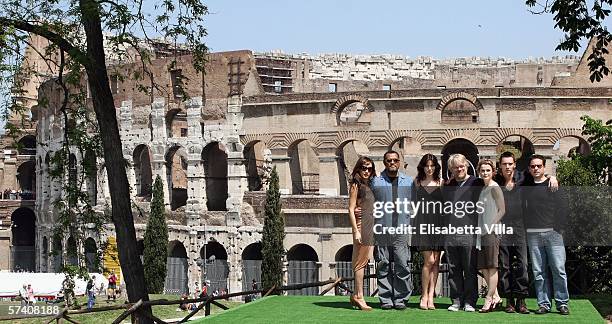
<point>273,235</point>
<point>156,242</point>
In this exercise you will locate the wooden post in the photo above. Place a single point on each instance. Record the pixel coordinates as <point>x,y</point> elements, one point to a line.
<point>195,311</point>
<point>128,312</point>
<point>330,287</point>
<point>223,307</point>
<point>270,291</point>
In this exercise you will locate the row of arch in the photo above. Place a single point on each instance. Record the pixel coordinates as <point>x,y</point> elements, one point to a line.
<point>214,163</point>
<point>304,160</point>
<point>302,266</point>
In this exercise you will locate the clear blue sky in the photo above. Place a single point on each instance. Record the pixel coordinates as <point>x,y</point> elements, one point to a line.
<point>439,29</point>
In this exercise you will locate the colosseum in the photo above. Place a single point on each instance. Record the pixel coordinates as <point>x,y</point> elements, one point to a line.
<point>308,116</point>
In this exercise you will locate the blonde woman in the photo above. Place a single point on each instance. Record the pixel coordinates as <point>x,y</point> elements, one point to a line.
<point>487,245</point>
<point>361,196</point>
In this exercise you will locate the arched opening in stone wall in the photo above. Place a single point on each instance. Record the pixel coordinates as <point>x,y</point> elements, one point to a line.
<point>27,145</point>
<point>45,255</point>
<point>520,146</point>
<point>215,267</point>
<point>177,278</point>
<point>255,155</point>
<point>72,251</point>
<point>251,266</point>
<point>176,121</point>
<point>345,253</point>
<point>355,112</point>
<point>462,146</point>
<point>214,160</point>
<point>23,240</point>
<point>567,146</point>
<point>176,166</point>
<point>58,253</point>
<point>26,178</point>
<point>142,171</point>
<point>460,111</point>
<point>91,176</point>
<point>304,168</point>
<point>410,153</point>
<point>302,268</point>
<point>348,153</point>
<point>91,255</point>
<point>344,268</point>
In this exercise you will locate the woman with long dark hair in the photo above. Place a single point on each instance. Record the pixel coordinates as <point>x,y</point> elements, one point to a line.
<point>428,191</point>
<point>360,195</point>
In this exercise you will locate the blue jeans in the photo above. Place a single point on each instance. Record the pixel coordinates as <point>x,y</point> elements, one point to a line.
<point>394,287</point>
<point>546,250</point>
<point>91,300</point>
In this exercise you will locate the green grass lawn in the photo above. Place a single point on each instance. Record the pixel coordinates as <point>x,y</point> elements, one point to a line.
<point>163,312</point>
<point>326,309</point>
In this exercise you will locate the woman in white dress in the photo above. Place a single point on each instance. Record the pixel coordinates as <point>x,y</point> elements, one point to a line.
<point>487,244</point>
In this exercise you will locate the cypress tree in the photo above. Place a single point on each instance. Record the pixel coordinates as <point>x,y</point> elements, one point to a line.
<point>273,234</point>
<point>156,242</point>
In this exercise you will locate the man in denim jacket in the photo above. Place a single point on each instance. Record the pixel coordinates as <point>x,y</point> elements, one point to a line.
<point>392,253</point>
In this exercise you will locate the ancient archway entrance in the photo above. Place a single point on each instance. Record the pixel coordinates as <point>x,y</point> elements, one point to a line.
<point>303,268</point>
<point>215,268</point>
<point>176,269</point>
<point>251,266</point>
<point>23,236</point>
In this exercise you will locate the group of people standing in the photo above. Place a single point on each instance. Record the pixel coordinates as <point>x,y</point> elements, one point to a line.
<point>511,211</point>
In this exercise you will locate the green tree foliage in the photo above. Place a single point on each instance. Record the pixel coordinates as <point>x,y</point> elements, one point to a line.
<point>589,215</point>
<point>273,235</point>
<point>581,20</point>
<point>600,139</point>
<point>156,242</point>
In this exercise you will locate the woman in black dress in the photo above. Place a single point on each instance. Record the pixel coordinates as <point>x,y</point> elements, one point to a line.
<point>428,191</point>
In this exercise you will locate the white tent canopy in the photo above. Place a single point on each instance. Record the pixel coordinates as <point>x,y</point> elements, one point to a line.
<point>44,284</point>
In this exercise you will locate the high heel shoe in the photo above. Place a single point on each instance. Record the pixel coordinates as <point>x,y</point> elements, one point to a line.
<point>423,306</point>
<point>497,304</point>
<point>431,306</point>
<point>360,303</point>
<point>488,306</point>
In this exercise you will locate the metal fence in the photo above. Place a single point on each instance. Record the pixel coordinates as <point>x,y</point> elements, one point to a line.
<point>300,272</point>
<point>23,258</point>
<point>176,276</point>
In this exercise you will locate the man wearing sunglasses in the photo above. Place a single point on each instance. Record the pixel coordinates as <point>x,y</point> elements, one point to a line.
<point>392,253</point>
<point>545,214</point>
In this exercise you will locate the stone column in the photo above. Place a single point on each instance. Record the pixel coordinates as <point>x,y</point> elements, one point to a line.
<point>158,144</point>
<point>329,181</point>
<point>281,161</point>
<point>193,255</point>
<point>236,170</point>
<point>194,161</point>
<point>125,129</point>
<point>233,255</point>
